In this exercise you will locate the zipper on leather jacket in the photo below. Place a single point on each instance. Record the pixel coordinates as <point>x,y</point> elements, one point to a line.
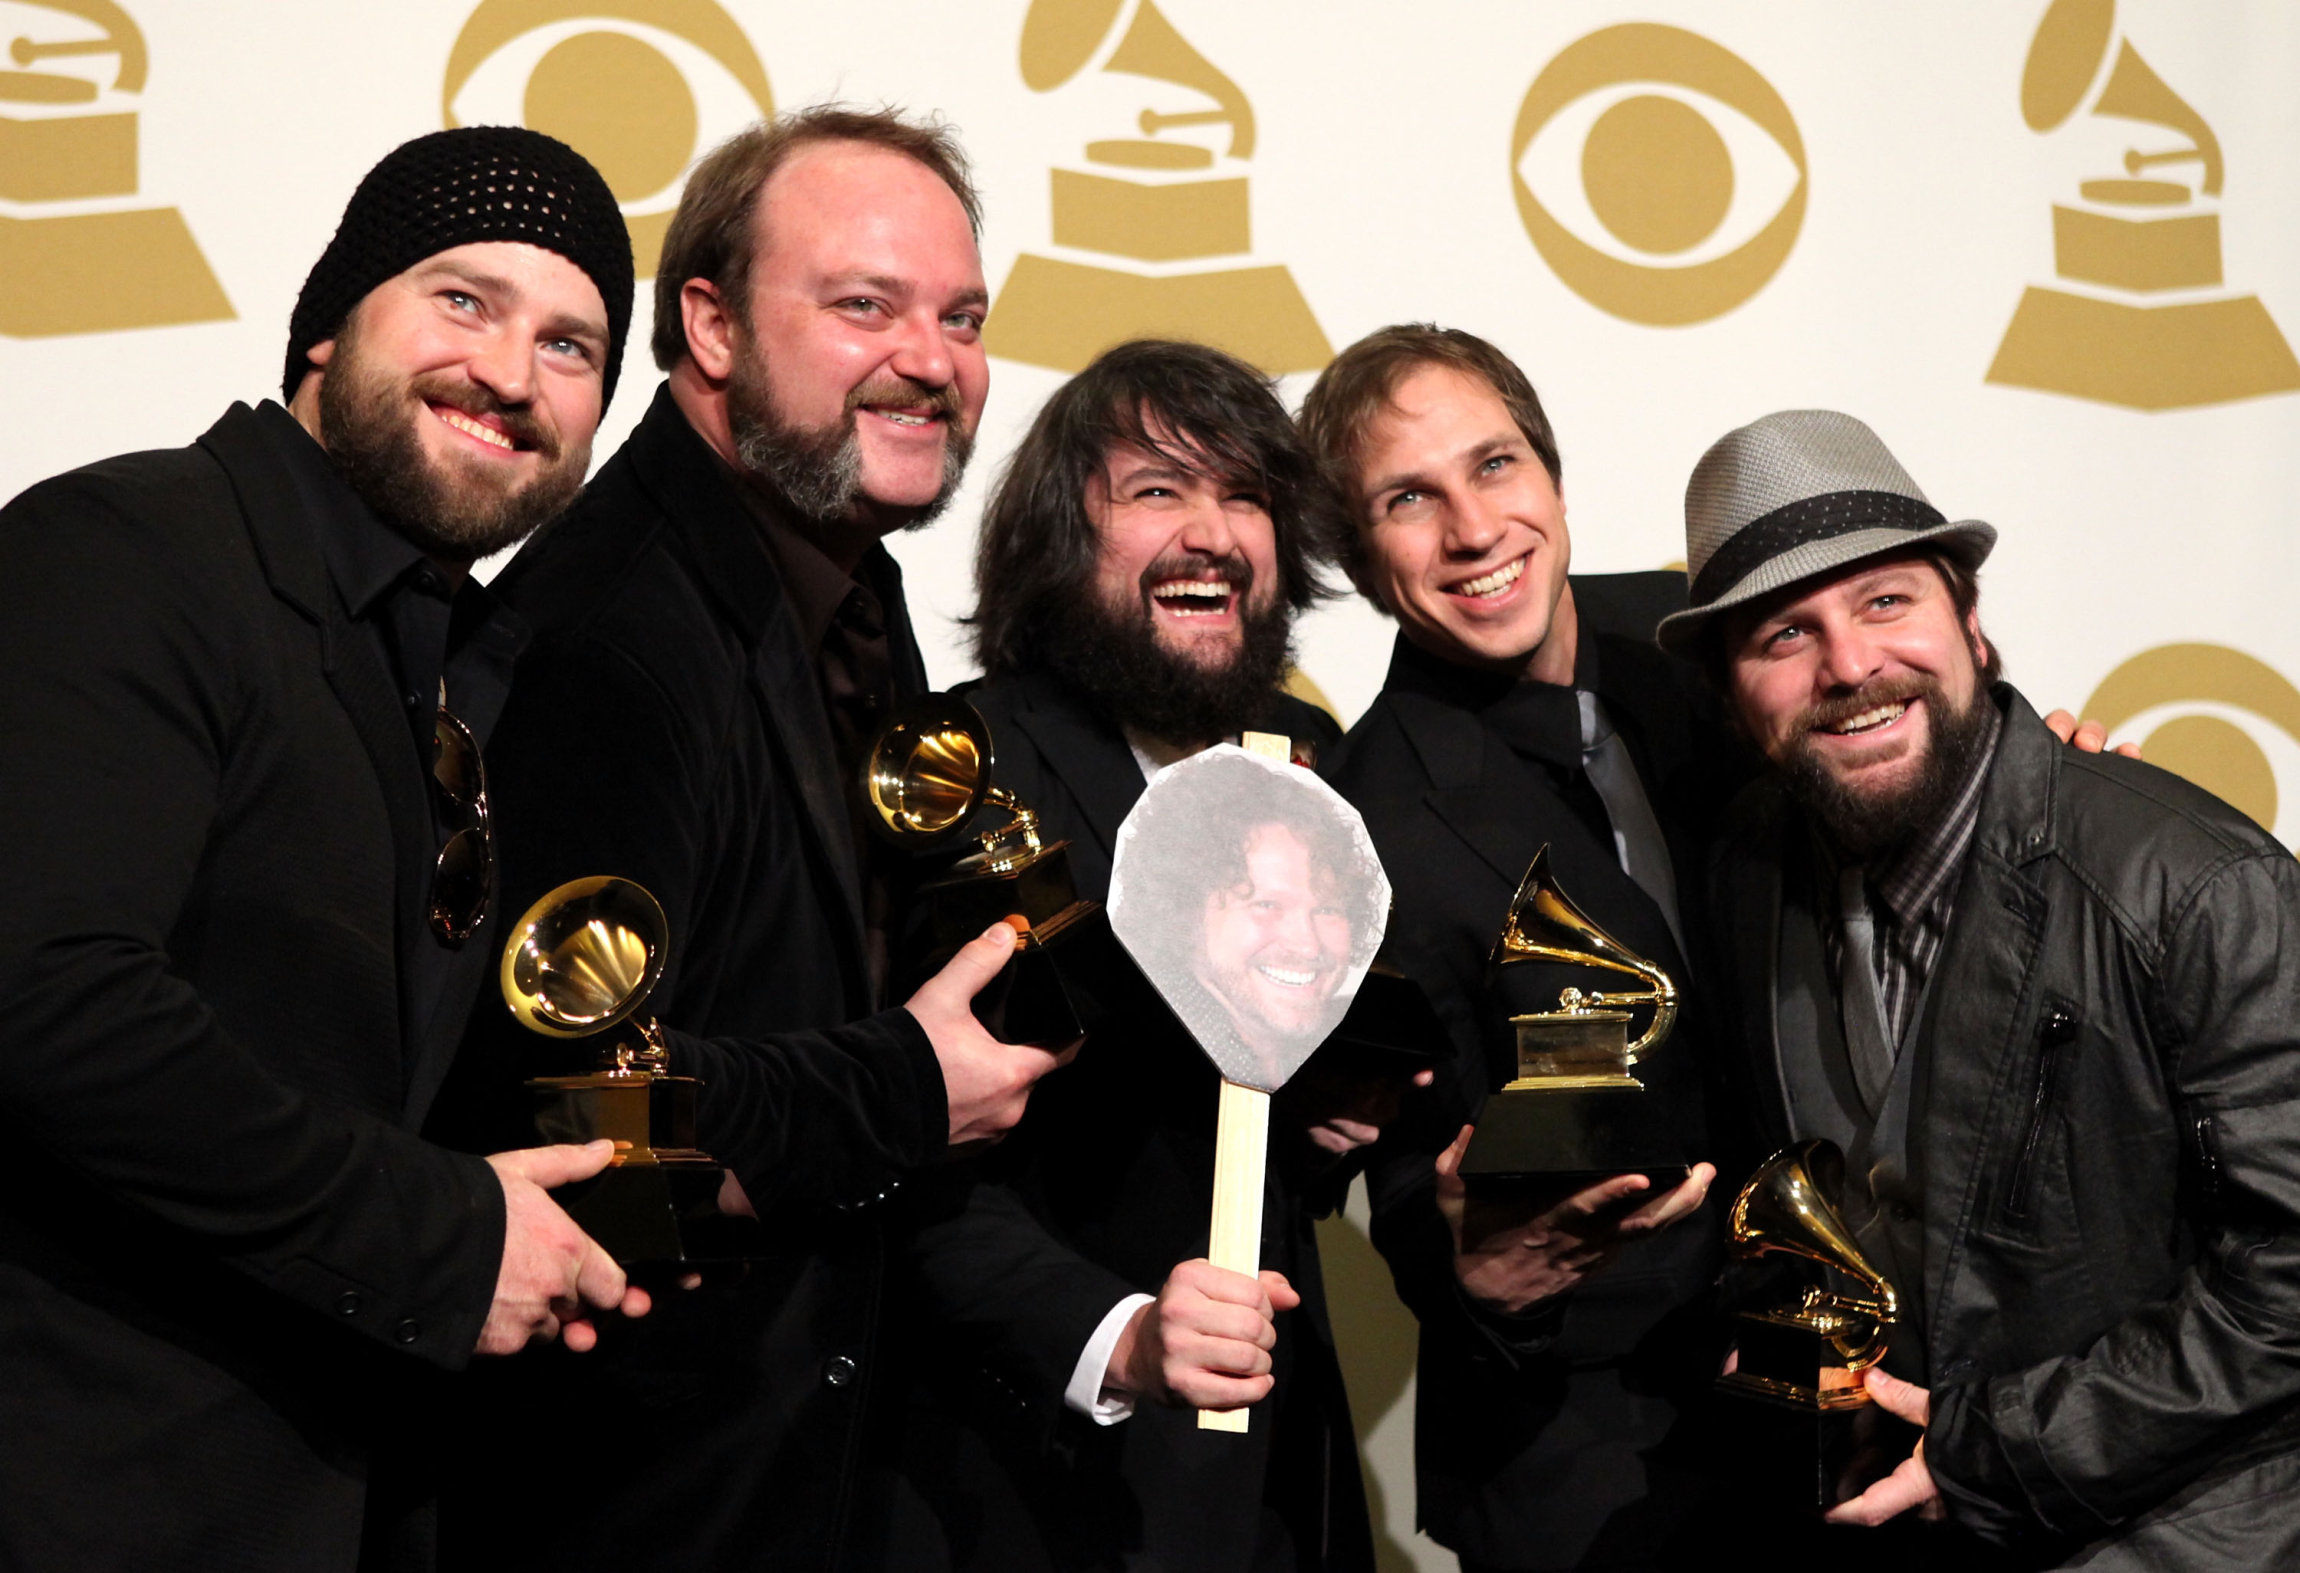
<point>2053,1035</point>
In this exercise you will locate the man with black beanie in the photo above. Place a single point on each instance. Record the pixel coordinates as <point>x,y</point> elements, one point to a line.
<point>247,845</point>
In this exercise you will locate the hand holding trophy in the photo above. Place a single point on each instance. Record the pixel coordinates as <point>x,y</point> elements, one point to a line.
<point>1804,1362</point>
<point>580,963</point>
<point>929,779</point>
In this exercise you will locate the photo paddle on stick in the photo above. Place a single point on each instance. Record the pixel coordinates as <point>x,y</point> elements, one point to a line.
<point>1249,894</point>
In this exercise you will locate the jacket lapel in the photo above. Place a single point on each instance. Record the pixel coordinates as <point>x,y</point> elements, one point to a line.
<point>282,521</point>
<point>1088,756</point>
<point>718,536</point>
<point>1506,822</point>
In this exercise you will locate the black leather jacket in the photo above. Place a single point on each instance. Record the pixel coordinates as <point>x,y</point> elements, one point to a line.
<point>2107,1133</point>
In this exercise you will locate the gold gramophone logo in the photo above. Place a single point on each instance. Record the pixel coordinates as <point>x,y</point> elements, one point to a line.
<point>2147,323</point>
<point>1658,174</point>
<point>2216,716</point>
<point>1159,216</point>
<point>75,258</point>
<point>638,87</point>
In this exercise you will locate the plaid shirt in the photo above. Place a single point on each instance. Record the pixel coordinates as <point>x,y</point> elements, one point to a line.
<point>1913,894</point>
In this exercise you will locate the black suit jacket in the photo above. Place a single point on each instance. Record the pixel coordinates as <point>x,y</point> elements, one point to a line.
<point>1546,1439</point>
<point>667,725</point>
<point>220,1240</point>
<point>1116,1158</point>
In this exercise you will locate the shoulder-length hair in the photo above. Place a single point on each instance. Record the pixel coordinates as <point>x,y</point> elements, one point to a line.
<point>1193,406</point>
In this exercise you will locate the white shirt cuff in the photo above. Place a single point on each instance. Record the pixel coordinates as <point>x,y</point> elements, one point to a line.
<point>1084,1393</point>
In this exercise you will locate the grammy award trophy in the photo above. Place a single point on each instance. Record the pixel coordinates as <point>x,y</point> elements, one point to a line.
<point>580,964</point>
<point>927,778</point>
<point>1802,1363</point>
<point>1575,1112</point>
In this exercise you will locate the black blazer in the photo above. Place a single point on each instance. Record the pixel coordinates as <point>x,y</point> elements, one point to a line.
<point>1116,1158</point>
<point>226,1261</point>
<point>1539,1438</point>
<point>667,725</point>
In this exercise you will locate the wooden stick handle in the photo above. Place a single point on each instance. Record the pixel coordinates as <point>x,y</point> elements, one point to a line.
<point>1241,1147</point>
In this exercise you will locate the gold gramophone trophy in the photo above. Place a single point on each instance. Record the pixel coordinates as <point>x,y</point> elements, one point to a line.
<point>1157,226</point>
<point>1574,1108</point>
<point>2149,323</point>
<point>579,966</point>
<point>82,258</point>
<point>1804,1361</point>
<point>927,778</point>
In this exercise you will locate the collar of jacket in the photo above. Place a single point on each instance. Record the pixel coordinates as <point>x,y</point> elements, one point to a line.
<point>1443,707</point>
<point>284,532</point>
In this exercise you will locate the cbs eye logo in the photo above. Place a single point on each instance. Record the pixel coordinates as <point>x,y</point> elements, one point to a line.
<point>2216,716</point>
<point>1660,177</point>
<point>638,87</point>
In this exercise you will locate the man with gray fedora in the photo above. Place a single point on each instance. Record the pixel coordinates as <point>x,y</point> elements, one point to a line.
<point>2046,1003</point>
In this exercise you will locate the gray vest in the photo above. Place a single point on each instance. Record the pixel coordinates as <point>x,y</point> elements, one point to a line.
<point>1882,1203</point>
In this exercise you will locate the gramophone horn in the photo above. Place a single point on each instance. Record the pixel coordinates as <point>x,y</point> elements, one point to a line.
<point>930,770</point>
<point>1791,1206</point>
<point>584,957</point>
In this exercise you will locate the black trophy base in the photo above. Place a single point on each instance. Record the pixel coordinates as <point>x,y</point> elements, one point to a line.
<point>659,1201</point>
<point>1573,1137</point>
<point>1786,1458</point>
<point>661,1213</point>
<point>1068,974</point>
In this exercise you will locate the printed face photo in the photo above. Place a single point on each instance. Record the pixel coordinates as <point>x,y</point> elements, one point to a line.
<point>1251,896</point>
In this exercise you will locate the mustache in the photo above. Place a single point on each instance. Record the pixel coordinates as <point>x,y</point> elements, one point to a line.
<point>896,389</point>
<point>1833,712</point>
<point>518,420</point>
<point>1231,567</point>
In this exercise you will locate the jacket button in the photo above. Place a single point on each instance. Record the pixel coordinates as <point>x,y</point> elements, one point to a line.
<point>348,1303</point>
<point>839,1371</point>
<point>408,1331</point>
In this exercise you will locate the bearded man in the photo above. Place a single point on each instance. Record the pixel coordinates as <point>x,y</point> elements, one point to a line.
<point>2043,1000</point>
<point>718,635</point>
<point>246,842</point>
<point>1137,576</point>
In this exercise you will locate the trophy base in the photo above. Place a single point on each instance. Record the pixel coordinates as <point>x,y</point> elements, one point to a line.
<point>659,1199</point>
<point>1785,1458</point>
<point>1062,314</point>
<point>1576,1133</point>
<point>1068,972</point>
<point>2144,357</point>
<point>665,1213</point>
<point>1805,1432</point>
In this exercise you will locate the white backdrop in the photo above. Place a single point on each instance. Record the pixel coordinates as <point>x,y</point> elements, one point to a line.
<point>1382,177</point>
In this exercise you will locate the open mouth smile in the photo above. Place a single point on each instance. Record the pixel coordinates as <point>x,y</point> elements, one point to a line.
<point>1491,586</point>
<point>1189,598</point>
<point>477,428</point>
<point>1287,977</point>
<point>1875,719</point>
<point>910,419</point>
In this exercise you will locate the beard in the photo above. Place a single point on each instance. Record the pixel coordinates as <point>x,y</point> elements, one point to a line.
<point>1868,824</point>
<point>817,470</point>
<point>1112,654</point>
<point>449,510</point>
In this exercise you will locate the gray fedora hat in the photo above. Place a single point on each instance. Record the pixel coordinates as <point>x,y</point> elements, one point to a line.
<point>1800,493</point>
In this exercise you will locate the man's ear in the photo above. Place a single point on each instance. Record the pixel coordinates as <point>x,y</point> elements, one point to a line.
<point>710,328</point>
<point>1984,653</point>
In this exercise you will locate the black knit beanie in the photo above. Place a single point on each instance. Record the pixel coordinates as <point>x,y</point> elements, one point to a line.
<point>453,188</point>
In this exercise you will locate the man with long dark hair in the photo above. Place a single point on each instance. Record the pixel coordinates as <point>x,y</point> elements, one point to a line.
<point>1138,573</point>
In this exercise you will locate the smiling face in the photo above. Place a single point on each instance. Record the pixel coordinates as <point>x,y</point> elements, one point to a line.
<point>1865,688</point>
<point>1465,531</point>
<point>856,370</point>
<point>1276,944</point>
<point>1194,554</point>
<point>461,396</point>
